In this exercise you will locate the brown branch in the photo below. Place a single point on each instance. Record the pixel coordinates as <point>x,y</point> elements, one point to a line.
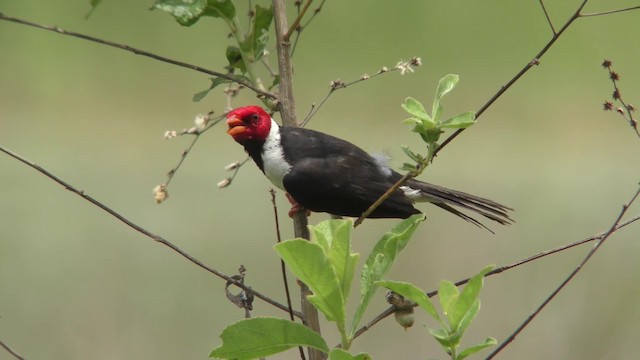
<point>304,26</point>
<point>296,22</point>
<point>11,351</point>
<point>584,261</point>
<point>287,108</point>
<point>627,109</point>
<point>611,11</point>
<point>143,53</point>
<point>546,14</point>
<point>534,61</point>
<point>283,267</point>
<point>336,85</point>
<point>503,89</point>
<point>140,229</point>
<point>391,310</point>
<point>408,176</point>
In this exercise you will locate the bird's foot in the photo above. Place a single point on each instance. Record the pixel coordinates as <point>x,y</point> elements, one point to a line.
<point>295,207</point>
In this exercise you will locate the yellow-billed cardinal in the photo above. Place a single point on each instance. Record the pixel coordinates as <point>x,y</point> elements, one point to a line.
<point>323,173</point>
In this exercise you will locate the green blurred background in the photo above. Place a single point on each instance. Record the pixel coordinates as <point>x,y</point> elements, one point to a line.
<point>77,284</point>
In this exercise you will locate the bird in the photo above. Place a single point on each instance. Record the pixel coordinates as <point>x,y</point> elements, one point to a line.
<point>323,173</point>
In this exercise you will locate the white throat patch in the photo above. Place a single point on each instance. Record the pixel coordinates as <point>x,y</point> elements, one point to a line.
<point>274,163</point>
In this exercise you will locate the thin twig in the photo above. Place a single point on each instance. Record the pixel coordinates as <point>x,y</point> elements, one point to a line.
<point>584,261</point>
<point>546,14</point>
<point>391,310</point>
<point>611,11</point>
<point>11,351</point>
<point>535,61</point>
<point>304,26</point>
<point>296,22</point>
<point>408,176</point>
<point>283,267</point>
<point>503,89</point>
<point>338,85</point>
<point>143,53</point>
<point>626,111</point>
<point>140,229</point>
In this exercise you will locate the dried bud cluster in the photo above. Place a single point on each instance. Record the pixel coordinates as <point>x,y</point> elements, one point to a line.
<point>336,84</point>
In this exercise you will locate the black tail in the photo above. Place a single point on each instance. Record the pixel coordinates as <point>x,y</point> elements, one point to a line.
<point>447,198</point>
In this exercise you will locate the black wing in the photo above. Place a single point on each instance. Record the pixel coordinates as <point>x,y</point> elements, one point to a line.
<point>334,176</point>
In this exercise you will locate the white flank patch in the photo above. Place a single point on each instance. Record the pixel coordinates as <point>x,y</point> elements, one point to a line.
<point>382,160</point>
<point>413,194</point>
<point>275,165</point>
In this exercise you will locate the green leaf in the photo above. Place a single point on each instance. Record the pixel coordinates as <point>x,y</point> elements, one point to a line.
<point>468,316</point>
<point>340,354</point>
<point>421,120</point>
<point>474,349</point>
<point>445,85</point>
<point>234,56</point>
<point>335,237</point>
<point>448,341</point>
<point>415,157</point>
<point>460,121</point>
<point>309,262</point>
<point>221,9</point>
<point>187,12</point>
<point>408,167</point>
<point>467,304</point>
<point>415,108</point>
<point>413,293</point>
<point>448,294</point>
<point>417,125</point>
<point>258,337</point>
<point>214,82</point>
<point>380,260</point>
<point>255,42</point>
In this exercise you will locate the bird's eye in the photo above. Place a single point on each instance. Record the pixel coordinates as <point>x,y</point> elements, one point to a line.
<point>254,118</point>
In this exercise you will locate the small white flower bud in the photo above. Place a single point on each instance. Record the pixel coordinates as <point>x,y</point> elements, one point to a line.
<point>234,165</point>
<point>160,193</point>
<point>224,183</point>
<point>170,134</point>
<point>201,121</point>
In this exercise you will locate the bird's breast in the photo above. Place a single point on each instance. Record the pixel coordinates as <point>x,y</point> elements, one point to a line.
<point>275,166</point>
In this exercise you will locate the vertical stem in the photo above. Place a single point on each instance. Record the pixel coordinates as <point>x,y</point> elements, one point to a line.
<point>288,113</point>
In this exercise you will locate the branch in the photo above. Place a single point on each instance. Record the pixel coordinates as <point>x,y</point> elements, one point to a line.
<point>296,22</point>
<point>584,261</point>
<point>287,107</point>
<point>503,89</point>
<point>143,53</point>
<point>546,14</point>
<point>626,111</point>
<point>11,351</point>
<point>534,61</point>
<point>140,229</point>
<point>299,28</point>
<point>611,11</point>
<point>335,85</point>
<point>391,310</point>
<point>282,264</point>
